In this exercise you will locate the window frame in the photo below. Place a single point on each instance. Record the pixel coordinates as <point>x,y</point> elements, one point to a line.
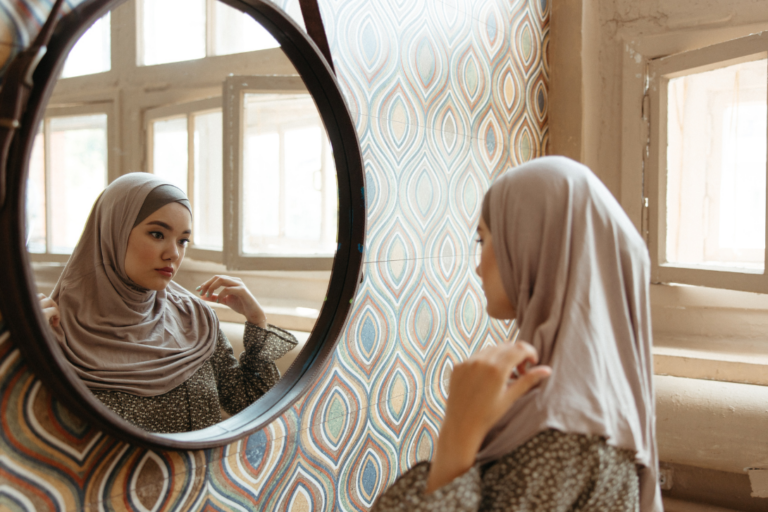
<point>659,72</point>
<point>235,88</point>
<point>107,108</point>
<point>188,110</point>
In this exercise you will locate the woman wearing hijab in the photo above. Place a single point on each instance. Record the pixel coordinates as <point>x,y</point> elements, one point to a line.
<point>560,256</point>
<point>147,348</point>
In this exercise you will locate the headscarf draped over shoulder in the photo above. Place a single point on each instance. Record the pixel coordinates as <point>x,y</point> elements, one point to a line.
<point>117,335</point>
<point>577,273</point>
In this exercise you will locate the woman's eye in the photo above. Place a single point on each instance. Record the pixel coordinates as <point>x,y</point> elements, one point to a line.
<point>184,242</point>
<point>156,235</point>
<point>479,240</point>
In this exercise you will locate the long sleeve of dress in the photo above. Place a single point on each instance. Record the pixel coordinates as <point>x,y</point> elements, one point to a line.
<point>242,383</point>
<point>463,494</point>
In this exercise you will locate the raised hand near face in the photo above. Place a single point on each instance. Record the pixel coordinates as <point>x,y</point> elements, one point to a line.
<point>232,292</point>
<point>482,389</point>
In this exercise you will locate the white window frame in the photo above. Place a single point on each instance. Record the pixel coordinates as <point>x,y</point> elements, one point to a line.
<point>106,108</point>
<point>659,72</point>
<point>188,110</point>
<point>235,88</point>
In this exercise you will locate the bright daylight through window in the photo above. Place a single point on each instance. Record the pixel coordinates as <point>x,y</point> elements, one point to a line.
<point>716,167</point>
<point>189,36</point>
<point>70,158</point>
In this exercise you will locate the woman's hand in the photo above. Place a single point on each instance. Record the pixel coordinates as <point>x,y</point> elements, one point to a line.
<point>50,310</point>
<point>482,389</point>
<point>234,294</point>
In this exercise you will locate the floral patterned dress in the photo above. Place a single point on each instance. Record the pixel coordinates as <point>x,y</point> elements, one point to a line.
<point>552,472</point>
<point>220,383</point>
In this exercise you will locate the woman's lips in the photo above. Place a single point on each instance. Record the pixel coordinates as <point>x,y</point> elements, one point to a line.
<point>166,271</point>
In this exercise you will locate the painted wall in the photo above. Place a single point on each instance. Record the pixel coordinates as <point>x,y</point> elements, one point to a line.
<point>446,95</point>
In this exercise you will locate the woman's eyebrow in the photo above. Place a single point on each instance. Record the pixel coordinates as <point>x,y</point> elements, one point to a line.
<point>166,226</point>
<point>160,223</point>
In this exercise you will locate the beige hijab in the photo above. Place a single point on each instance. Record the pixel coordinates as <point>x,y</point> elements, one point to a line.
<point>116,335</point>
<point>577,273</point>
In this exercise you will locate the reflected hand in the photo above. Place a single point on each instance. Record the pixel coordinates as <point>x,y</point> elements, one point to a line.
<point>235,295</point>
<point>480,393</point>
<point>50,310</point>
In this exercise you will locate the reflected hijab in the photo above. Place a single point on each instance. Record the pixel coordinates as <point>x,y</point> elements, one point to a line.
<point>117,335</point>
<point>577,273</point>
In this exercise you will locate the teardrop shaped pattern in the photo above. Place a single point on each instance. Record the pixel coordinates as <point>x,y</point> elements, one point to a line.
<point>420,439</point>
<point>469,197</point>
<point>396,397</point>
<point>425,195</point>
<point>369,333</point>
<point>304,489</point>
<point>367,473</point>
<point>424,322</point>
<point>150,485</point>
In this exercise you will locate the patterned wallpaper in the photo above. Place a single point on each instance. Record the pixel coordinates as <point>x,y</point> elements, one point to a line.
<point>446,95</point>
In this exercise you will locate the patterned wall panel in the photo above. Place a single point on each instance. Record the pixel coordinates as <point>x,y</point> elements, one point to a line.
<point>446,95</point>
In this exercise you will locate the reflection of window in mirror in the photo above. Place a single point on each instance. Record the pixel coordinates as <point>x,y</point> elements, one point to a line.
<point>184,143</point>
<point>130,103</point>
<point>201,28</point>
<point>68,170</point>
<point>91,54</point>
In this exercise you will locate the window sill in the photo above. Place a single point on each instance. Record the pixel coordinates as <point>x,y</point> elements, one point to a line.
<point>740,361</point>
<point>710,334</point>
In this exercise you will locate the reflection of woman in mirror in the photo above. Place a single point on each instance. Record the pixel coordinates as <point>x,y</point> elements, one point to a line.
<point>560,256</point>
<point>147,348</point>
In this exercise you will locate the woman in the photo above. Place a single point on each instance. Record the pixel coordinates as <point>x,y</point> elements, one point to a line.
<point>560,257</point>
<point>147,348</point>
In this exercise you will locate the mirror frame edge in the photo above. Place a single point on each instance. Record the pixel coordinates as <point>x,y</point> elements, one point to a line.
<point>21,312</point>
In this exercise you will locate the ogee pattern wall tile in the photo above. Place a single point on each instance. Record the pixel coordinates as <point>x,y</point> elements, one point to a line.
<point>446,95</point>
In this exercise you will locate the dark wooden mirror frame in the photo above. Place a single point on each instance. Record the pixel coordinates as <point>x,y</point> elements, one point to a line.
<point>20,307</point>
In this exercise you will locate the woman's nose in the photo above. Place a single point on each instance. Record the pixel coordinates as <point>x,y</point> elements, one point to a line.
<point>171,253</point>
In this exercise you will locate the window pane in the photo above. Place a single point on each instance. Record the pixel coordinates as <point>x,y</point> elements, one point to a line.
<point>78,174</point>
<point>91,54</point>
<point>716,167</point>
<point>208,222</point>
<point>303,183</point>
<point>36,196</point>
<point>261,191</point>
<point>169,151</point>
<point>237,32</point>
<point>172,31</point>
<point>289,191</point>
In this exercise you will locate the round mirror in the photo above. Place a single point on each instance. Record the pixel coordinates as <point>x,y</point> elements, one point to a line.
<point>235,106</point>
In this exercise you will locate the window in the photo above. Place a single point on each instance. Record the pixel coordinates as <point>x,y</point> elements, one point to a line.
<point>281,175</point>
<point>706,175</point>
<point>201,28</point>
<point>185,144</point>
<point>68,171</point>
<point>167,118</point>
<point>91,54</point>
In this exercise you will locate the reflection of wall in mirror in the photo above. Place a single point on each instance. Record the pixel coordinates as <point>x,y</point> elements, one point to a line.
<point>436,94</point>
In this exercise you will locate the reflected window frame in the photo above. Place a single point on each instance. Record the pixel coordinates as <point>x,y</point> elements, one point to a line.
<point>655,186</point>
<point>105,108</point>
<point>235,89</point>
<point>188,111</point>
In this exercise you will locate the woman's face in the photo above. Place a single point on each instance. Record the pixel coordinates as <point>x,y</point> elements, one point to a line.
<point>156,247</point>
<point>498,305</point>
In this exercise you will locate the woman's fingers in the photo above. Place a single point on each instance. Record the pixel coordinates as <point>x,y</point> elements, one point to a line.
<point>208,288</point>
<point>525,383</point>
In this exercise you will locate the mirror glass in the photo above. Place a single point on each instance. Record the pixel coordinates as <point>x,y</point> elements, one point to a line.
<point>211,104</point>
